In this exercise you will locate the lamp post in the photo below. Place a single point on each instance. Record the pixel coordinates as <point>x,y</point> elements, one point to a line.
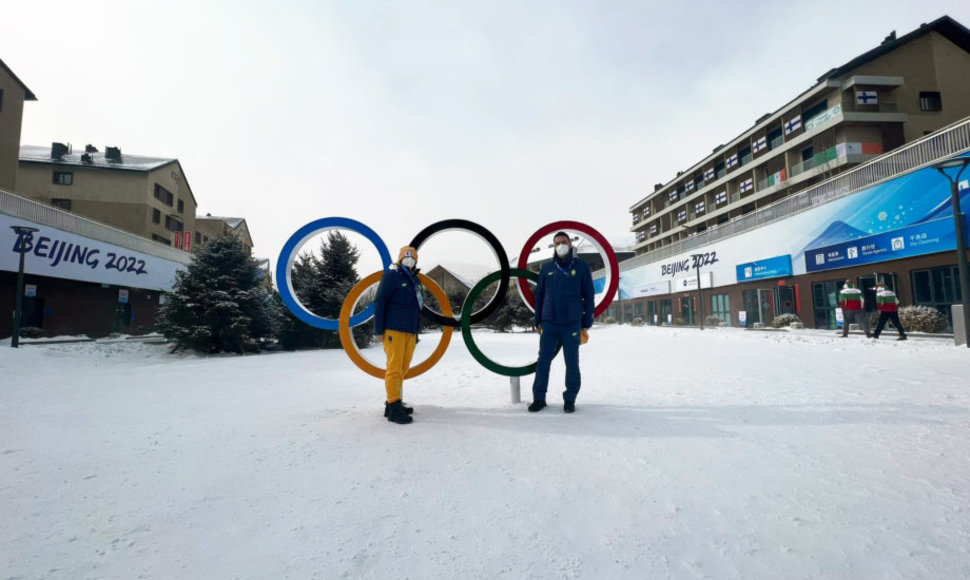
<point>959,163</point>
<point>700,296</point>
<point>24,235</point>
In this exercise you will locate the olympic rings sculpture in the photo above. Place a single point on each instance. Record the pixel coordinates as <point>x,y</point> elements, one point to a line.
<point>347,320</point>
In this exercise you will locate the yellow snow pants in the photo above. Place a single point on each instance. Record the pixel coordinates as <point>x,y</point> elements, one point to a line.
<point>399,348</point>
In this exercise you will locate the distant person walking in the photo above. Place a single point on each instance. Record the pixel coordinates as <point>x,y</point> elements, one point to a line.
<point>397,322</point>
<point>853,308</point>
<point>564,312</point>
<point>888,306</point>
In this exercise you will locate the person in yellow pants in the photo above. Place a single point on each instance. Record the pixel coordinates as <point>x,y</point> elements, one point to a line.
<point>397,322</point>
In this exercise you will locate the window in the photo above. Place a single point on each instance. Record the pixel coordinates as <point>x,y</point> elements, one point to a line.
<point>163,195</point>
<point>161,240</point>
<point>156,216</point>
<point>61,203</point>
<point>937,288</point>
<point>815,110</point>
<point>172,224</point>
<point>63,178</point>
<point>1,100</point>
<point>198,238</point>
<point>930,101</point>
<point>721,307</point>
<point>181,206</point>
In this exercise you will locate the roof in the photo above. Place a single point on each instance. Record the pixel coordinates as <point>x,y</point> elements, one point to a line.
<point>42,154</point>
<point>28,95</point>
<point>467,282</point>
<point>947,27</point>
<point>232,222</point>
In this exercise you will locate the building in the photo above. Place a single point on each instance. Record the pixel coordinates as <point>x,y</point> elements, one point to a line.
<point>817,176</point>
<point>81,277</point>
<point>453,284</point>
<point>146,196</point>
<point>211,227</point>
<point>897,92</point>
<point>13,93</point>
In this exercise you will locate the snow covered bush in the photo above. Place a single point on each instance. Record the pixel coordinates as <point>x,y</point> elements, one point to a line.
<point>784,320</point>
<point>922,319</point>
<point>32,332</point>
<point>638,321</point>
<point>712,321</point>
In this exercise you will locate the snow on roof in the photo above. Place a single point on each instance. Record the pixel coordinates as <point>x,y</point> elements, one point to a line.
<point>42,154</point>
<point>233,222</point>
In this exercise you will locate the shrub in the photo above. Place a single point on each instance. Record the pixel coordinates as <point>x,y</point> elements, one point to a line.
<point>609,320</point>
<point>32,332</point>
<point>638,321</point>
<point>712,321</point>
<point>922,319</point>
<point>784,320</point>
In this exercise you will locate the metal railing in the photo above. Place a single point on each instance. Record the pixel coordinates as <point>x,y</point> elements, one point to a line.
<point>21,207</point>
<point>946,142</point>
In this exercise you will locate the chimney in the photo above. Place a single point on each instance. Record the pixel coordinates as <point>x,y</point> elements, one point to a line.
<point>890,38</point>
<point>86,158</point>
<point>90,148</point>
<point>658,186</point>
<point>58,150</point>
<point>112,153</point>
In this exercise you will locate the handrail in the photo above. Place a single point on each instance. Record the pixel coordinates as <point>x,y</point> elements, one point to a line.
<point>21,207</point>
<point>944,143</point>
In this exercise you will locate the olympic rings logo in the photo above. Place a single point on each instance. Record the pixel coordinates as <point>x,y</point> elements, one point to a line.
<point>345,321</point>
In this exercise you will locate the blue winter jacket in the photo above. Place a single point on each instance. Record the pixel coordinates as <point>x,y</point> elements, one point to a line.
<point>564,294</point>
<point>397,306</point>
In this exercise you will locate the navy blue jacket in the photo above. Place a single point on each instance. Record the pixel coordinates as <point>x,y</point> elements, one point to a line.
<point>397,306</point>
<point>564,294</point>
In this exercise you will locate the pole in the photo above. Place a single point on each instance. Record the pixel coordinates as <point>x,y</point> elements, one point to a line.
<point>961,233</point>
<point>959,228</point>
<point>700,298</point>
<point>515,393</point>
<point>18,309</point>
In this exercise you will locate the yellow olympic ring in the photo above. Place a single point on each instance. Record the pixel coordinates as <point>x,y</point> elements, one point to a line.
<point>350,346</point>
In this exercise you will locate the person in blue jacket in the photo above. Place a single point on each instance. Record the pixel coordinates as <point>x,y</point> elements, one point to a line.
<point>564,311</point>
<point>397,322</point>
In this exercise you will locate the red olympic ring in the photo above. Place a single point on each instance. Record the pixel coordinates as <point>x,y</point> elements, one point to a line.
<point>603,246</point>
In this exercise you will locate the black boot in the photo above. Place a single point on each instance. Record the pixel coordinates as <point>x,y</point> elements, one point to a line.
<point>537,405</point>
<point>407,409</point>
<point>569,406</point>
<point>397,414</point>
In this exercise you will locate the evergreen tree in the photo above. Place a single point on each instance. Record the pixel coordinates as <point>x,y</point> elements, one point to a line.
<point>219,303</point>
<point>322,284</point>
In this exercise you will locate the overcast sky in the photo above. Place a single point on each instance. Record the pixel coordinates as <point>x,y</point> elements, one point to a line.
<point>511,114</point>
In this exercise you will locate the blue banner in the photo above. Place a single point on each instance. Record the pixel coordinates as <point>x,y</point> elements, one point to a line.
<point>916,240</point>
<point>774,267</point>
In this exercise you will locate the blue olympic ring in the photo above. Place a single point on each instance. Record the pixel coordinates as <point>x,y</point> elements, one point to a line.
<point>290,249</point>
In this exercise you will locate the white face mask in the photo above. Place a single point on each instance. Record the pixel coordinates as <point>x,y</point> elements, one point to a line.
<point>408,263</point>
<point>562,250</point>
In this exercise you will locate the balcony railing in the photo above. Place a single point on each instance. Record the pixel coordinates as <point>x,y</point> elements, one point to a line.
<point>947,142</point>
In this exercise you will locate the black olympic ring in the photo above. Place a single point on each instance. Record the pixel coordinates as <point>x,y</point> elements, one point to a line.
<point>496,301</point>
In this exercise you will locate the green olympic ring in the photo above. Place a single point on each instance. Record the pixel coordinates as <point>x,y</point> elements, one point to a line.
<point>466,325</point>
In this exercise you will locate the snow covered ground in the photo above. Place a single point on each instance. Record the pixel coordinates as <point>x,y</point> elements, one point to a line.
<point>715,454</point>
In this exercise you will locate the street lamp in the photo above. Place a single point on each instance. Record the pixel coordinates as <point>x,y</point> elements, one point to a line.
<point>961,234</point>
<point>24,235</point>
<point>698,259</point>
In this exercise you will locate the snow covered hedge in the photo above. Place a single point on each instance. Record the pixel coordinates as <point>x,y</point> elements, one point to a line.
<point>922,319</point>
<point>785,320</point>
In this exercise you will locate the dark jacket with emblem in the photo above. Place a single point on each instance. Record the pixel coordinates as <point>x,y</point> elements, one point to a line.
<point>564,294</point>
<point>397,306</point>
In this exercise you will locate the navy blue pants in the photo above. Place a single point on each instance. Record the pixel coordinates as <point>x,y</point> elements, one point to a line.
<point>554,335</point>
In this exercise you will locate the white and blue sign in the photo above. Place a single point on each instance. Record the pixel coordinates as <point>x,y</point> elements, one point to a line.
<point>915,240</point>
<point>60,254</point>
<point>774,267</point>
